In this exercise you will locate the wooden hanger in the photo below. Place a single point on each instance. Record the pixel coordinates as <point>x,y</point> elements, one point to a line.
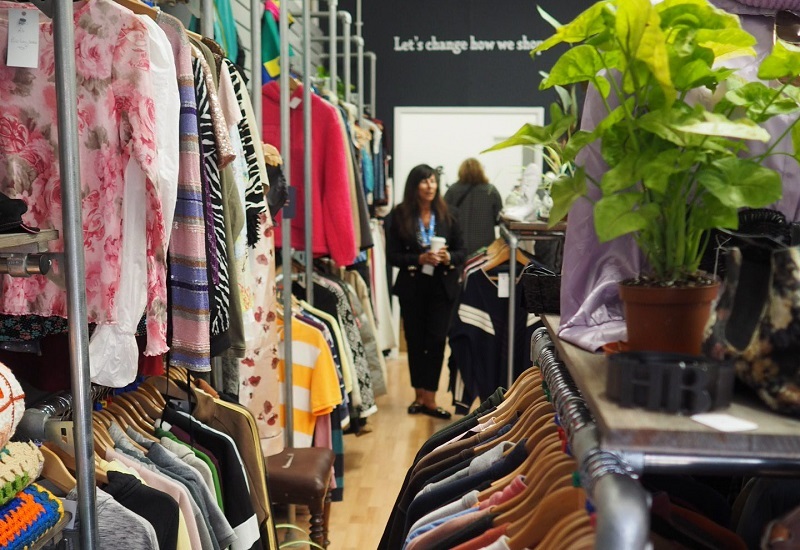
<point>101,439</point>
<point>564,529</point>
<point>294,84</point>
<point>104,416</point>
<point>153,392</point>
<point>145,412</point>
<point>512,404</point>
<point>518,508</point>
<point>271,154</point>
<point>56,472</point>
<point>134,414</point>
<point>545,443</point>
<point>528,422</point>
<point>139,8</point>
<point>147,402</point>
<point>69,461</point>
<point>525,380</point>
<point>586,542</point>
<point>553,508</point>
<point>166,386</point>
<point>124,416</point>
<point>502,257</point>
<point>579,530</point>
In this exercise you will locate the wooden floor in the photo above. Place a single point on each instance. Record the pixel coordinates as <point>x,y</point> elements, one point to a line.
<point>376,463</point>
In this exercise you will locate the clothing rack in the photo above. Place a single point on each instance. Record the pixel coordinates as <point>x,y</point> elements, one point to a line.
<point>534,231</point>
<point>69,165</point>
<point>622,505</point>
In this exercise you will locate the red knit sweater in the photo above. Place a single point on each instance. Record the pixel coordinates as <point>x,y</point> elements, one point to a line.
<point>333,234</point>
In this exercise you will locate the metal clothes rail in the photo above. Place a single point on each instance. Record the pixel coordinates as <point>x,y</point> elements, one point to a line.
<point>61,13</point>
<point>622,505</point>
<point>534,231</point>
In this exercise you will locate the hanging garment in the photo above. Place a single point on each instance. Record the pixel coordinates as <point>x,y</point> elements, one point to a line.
<point>369,332</point>
<point>116,115</point>
<point>333,232</point>
<point>315,388</point>
<point>113,352</point>
<point>479,340</point>
<point>218,285</point>
<point>117,527</point>
<point>367,406</point>
<point>168,486</point>
<point>238,510</point>
<point>235,421</point>
<point>159,509</point>
<point>190,344</point>
<point>382,302</point>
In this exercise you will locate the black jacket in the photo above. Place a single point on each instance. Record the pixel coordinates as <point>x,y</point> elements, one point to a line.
<point>404,254</point>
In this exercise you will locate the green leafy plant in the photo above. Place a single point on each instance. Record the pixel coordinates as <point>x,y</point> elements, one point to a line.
<point>675,127</point>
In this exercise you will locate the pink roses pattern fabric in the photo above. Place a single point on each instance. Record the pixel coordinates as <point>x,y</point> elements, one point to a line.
<point>115,125</point>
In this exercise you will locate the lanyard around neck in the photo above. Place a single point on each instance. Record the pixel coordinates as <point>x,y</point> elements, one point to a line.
<point>426,234</point>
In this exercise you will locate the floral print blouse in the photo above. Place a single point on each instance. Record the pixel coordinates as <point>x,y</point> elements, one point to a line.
<point>115,125</point>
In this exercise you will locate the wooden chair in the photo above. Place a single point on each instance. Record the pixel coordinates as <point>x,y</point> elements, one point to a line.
<point>303,477</point>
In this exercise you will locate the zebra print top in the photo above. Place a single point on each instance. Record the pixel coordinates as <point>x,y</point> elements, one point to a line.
<point>215,222</point>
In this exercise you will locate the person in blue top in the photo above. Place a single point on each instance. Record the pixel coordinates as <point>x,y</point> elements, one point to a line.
<point>428,282</point>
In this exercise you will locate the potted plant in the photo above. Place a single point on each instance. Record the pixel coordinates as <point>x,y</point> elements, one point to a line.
<point>674,136</point>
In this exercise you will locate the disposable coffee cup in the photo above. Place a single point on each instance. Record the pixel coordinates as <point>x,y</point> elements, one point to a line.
<point>437,243</point>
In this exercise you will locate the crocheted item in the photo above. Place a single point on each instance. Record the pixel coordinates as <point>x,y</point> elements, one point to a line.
<point>28,517</point>
<point>20,464</point>
<point>12,404</point>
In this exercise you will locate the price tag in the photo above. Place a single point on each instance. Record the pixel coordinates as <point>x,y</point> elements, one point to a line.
<point>23,38</point>
<point>502,285</point>
<point>70,506</point>
<point>294,102</point>
<point>724,422</point>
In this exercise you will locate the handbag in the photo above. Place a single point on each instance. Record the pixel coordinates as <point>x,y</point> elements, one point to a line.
<point>541,288</point>
<point>756,322</point>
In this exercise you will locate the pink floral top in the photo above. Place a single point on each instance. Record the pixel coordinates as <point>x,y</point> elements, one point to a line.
<point>116,124</point>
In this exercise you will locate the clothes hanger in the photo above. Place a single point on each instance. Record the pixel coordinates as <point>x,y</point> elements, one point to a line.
<point>103,416</point>
<point>564,529</point>
<point>578,530</point>
<point>528,422</point>
<point>69,461</point>
<point>556,506</point>
<point>133,413</point>
<point>146,401</point>
<point>510,404</point>
<point>122,414</point>
<point>153,392</point>
<point>140,409</point>
<point>56,472</point>
<point>139,8</point>
<point>166,386</point>
<point>101,439</point>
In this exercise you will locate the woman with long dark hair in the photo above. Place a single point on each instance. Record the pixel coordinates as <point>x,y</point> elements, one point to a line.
<point>427,285</point>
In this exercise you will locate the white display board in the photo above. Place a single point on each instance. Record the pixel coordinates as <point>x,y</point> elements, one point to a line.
<point>445,136</point>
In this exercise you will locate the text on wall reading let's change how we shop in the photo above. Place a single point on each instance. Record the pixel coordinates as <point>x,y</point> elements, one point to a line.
<point>473,44</point>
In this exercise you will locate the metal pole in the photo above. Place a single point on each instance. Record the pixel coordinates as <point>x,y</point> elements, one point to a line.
<point>72,232</point>
<point>346,26</point>
<point>207,19</point>
<point>360,50</point>
<point>307,181</point>
<point>286,237</point>
<point>333,69</point>
<point>513,244</point>
<point>255,59</point>
<point>373,64</point>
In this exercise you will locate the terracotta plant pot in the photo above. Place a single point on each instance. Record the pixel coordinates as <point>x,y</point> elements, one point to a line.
<point>667,319</point>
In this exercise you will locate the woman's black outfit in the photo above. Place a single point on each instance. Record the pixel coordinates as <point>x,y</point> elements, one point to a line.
<point>426,301</point>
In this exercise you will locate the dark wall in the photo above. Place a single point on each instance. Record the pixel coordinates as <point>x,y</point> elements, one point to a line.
<point>401,33</point>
